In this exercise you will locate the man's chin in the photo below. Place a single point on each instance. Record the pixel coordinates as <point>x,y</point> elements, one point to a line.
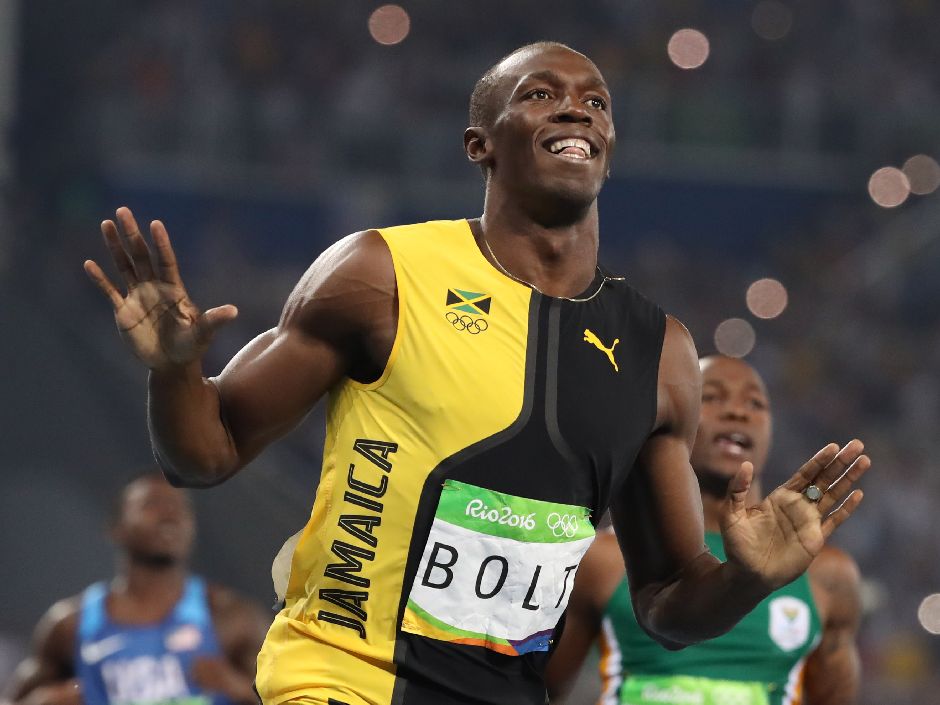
<point>714,482</point>
<point>158,558</point>
<point>566,198</point>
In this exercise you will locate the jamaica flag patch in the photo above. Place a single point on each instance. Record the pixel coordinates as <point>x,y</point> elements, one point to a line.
<point>468,301</point>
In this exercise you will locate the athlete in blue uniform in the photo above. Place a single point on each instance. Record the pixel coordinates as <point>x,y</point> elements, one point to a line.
<point>154,635</point>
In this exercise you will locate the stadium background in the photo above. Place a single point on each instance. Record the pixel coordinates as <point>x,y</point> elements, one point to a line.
<point>262,130</point>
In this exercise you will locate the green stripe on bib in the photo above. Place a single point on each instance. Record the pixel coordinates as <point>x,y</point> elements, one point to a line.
<point>691,690</point>
<point>511,517</point>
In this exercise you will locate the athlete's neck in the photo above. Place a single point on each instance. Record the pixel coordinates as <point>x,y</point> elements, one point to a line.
<point>714,489</point>
<point>149,581</point>
<point>559,259</point>
<point>144,593</point>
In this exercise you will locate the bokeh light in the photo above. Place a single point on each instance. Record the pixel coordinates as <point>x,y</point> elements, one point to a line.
<point>688,48</point>
<point>771,20</point>
<point>389,24</point>
<point>735,337</point>
<point>889,187</point>
<point>923,172</point>
<point>766,298</point>
<point>928,614</point>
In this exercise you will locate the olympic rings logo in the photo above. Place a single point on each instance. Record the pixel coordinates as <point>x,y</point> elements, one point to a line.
<point>562,524</point>
<point>473,326</point>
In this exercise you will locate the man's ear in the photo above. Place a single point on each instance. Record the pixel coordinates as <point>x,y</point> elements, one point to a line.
<point>476,143</point>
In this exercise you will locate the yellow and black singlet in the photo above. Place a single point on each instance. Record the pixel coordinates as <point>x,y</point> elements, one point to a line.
<point>460,490</point>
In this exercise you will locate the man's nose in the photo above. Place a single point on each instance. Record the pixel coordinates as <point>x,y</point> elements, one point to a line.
<point>735,410</point>
<point>571,110</point>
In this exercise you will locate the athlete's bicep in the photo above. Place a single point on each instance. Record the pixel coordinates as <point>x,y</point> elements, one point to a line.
<point>272,384</point>
<point>833,669</point>
<point>657,513</point>
<point>337,322</point>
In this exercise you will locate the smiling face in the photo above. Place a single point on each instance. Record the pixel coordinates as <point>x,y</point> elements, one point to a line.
<point>552,132</point>
<point>155,523</point>
<point>735,421</point>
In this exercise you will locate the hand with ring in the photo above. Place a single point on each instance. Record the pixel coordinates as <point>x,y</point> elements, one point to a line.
<point>813,494</point>
<point>776,540</point>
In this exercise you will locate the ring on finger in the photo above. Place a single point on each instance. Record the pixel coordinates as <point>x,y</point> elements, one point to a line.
<point>813,494</point>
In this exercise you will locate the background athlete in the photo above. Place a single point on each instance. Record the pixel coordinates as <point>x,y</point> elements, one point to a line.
<point>155,633</point>
<point>797,646</point>
<point>369,329</point>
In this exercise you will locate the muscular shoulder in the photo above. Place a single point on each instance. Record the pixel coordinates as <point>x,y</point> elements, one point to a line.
<point>836,584</point>
<point>834,567</point>
<point>347,299</point>
<point>60,622</point>
<point>353,272</point>
<point>55,635</point>
<point>680,384</point>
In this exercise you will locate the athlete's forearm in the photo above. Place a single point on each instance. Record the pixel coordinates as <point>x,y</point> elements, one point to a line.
<point>190,439</point>
<point>704,601</point>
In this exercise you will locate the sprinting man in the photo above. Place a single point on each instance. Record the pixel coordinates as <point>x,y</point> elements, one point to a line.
<point>796,646</point>
<point>467,460</point>
<point>155,634</point>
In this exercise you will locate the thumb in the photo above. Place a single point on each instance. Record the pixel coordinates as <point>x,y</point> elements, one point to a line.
<point>738,488</point>
<point>213,319</point>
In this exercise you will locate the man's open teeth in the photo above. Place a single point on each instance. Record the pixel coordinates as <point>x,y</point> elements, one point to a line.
<point>572,147</point>
<point>738,439</point>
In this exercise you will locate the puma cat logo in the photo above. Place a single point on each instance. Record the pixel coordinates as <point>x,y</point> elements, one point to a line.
<point>591,337</point>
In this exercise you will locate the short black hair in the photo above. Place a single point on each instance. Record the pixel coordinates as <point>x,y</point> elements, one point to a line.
<point>151,473</point>
<point>482,110</point>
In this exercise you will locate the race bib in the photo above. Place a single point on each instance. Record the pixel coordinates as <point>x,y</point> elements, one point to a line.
<point>497,570</point>
<point>691,690</point>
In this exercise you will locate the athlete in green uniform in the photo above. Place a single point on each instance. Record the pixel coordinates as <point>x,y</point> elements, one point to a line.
<point>797,646</point>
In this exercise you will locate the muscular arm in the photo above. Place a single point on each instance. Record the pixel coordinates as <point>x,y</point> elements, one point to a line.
<point>832,670</point>
<point>600,571</point>
<point>47,676</point>
<point>681,593</point>
<point>339,321</point>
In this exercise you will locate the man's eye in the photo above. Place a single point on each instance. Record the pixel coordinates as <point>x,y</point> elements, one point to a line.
<point>598,103</point>
<point>539,94</point>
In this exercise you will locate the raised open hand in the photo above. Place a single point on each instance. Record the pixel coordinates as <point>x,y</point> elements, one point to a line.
<point>778,539</point>
<point>157,319</point>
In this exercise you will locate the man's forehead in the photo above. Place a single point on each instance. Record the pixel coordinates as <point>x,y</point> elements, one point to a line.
<point>544,60</point>
<point>717,369</point>
<point>143,488</point>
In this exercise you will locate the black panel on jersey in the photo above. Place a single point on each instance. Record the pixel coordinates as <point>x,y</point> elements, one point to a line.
<point>581,426</point>
<point>605,415</point>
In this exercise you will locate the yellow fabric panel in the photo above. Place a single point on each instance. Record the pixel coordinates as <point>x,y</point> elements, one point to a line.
<point>444,389</point>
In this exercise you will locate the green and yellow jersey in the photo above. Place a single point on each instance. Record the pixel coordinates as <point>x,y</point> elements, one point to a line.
<point>459,491</point>
<point>759,662</point>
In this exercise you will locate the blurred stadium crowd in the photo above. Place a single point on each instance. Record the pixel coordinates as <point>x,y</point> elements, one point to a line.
<point>262,130</point>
